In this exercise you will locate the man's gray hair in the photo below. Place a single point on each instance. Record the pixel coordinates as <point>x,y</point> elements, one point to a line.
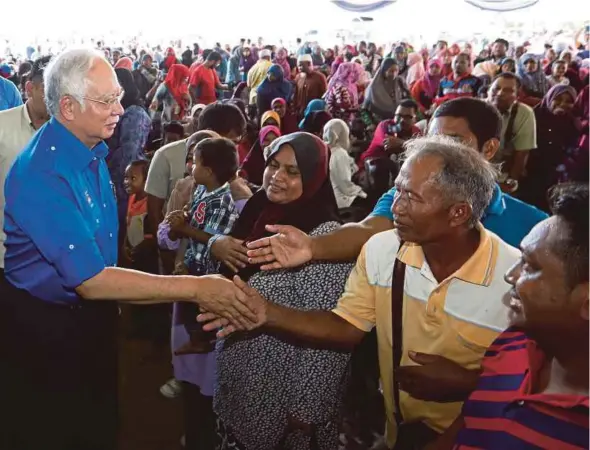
<point>465,175</point>
<point>66,74</point>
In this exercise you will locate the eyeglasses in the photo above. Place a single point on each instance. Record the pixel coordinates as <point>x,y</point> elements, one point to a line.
<point>110,102</point>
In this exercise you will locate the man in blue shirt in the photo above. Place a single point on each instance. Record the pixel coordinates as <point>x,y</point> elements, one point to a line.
<point>58,382</point>
<point>473,122</point>
<point>9,95</point>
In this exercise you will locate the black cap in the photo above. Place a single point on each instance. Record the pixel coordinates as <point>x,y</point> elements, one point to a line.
<point>502,41</point>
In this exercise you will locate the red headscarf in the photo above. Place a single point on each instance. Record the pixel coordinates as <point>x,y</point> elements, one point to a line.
<point>170,58</point>
<point>177,84</point>
<point>125,63</point>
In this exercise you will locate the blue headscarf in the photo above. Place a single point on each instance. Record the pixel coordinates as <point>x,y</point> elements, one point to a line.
<point>534,83</point>
<point>313,106</point>
<point>277,88</point>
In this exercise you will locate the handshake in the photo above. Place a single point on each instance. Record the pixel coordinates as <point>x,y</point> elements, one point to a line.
<point>229,306</point>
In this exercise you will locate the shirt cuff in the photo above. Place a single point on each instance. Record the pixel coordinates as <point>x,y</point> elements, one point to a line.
<point>362,325</point>
<point>78,263</point>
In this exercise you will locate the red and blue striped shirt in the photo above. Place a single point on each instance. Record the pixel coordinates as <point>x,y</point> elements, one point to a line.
<point>503,413</point>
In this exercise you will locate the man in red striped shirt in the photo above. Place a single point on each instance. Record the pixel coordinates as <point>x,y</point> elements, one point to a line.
<point>533,390</point>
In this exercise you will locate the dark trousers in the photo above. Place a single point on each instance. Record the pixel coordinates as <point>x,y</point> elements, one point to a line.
<point>58,373</point>
<point>199,419</point>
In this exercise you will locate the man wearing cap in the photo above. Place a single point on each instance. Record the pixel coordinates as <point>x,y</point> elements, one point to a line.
<point>309,84</point>
<point>17,127</point>
<point>258,72</point>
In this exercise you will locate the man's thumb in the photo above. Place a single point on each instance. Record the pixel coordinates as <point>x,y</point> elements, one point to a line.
<point>422,358</point>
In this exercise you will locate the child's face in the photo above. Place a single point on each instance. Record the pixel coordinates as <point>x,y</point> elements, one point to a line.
<point>279,108</point>
<point>201,174</point>
<point>134,180</point>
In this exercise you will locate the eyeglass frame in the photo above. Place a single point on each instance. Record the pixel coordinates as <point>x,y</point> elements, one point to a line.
<point>109,104</point>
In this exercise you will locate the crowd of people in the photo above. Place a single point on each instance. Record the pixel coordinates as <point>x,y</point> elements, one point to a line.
<point>363,247</point>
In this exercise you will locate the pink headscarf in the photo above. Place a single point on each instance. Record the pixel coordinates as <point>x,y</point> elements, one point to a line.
<point>281,60</point>
<point>347,75</point>
<point>268,129</point>
<point>416,68</point>
<point>124,63</point>
<point>431,83</point>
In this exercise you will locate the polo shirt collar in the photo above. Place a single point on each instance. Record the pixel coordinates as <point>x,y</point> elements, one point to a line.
<point>477,270</point>
<point>536,359</point>
<point>72,153</point>
<point>26,116</point>
<point>497,205</point>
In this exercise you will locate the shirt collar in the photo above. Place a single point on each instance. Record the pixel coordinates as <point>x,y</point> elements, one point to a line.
<point>216,192</point>
<point>26,116</point>
<point>535,360</point>
<point>478,269</point>
<point>72,153</point>
<point>497,205</point>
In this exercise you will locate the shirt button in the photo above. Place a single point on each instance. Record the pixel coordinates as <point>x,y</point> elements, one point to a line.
<point>97,221</point>
<point>52,148</point>
<point>71,247</point>
<point>110,235</point>
<point>104,204</point>
<point>94,158</point>
<point>550,142</point>
<point>520,403</point>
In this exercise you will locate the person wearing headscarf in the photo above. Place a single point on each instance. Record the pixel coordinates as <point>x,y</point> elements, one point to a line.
<point>447,61</point>
<point>247,61</point>
<point>309,84</point>
<point>400,54</point>
<point>507,65</point>
<point>124,63</point>
<point>558,135</point>
<point>127,142</point>
<point>558,74</point>
<point>233,77</point>
<point>316,121</point>
<point>272,393</point>
<point>288,119</point>
<point>170,60</point>
<point>573,70</point>
<point>270,118</point>
<point>252,168</point>
<point>533,79</point>
<point>173,94</point>
<point>415,69</point>
<point>281,58</point>
<point>329,57</point>
<point>342,96</point>
<point>258,74</point>
<point>386,91</point>
<point>425,89</point>
<point>342,166</point>
<point>313,106</point>
<point>273,86</point>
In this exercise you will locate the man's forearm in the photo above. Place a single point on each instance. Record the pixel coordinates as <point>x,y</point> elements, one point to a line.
<point>115,283</point>
<point>519,164</point>
<point>346,242</point>
<point>317,329</point>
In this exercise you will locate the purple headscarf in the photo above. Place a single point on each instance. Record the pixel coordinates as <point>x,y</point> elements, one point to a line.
<point>347,75</point>
<point>556,91</point>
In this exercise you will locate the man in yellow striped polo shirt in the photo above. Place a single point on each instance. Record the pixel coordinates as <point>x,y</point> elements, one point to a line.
<point>452,292</point>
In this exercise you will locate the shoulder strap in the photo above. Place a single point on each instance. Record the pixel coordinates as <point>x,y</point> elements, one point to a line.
<point>510,128</point>
<point>397,307</point>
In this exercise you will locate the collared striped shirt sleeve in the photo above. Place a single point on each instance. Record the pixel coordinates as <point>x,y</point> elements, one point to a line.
<point>503,412</point>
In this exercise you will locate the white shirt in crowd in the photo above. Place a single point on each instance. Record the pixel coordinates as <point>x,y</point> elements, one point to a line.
<point>16,130</point>
<point>342,168</point>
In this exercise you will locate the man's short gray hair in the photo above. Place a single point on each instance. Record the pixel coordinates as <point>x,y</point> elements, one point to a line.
<point>465,175</point>
<point>66,74</point>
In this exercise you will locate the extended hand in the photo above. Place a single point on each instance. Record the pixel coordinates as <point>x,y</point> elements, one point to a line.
<point>291,247</point>
<point>231,252</point>
<point>436,379</point>
<point>248,296</point>
<point>222,298</point>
